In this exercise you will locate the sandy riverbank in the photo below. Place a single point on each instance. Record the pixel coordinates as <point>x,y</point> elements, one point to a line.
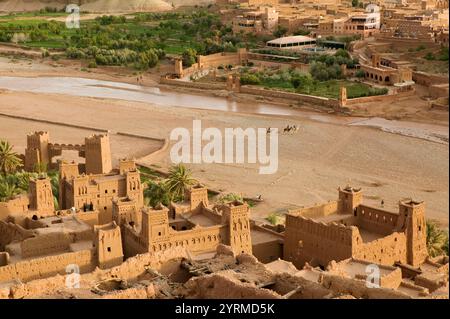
<point>414,108</point>
<point>313,162</point>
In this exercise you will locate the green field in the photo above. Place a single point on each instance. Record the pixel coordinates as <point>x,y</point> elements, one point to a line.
<point>330,89</point>
<point>300,82</point>
<point>126,41</point>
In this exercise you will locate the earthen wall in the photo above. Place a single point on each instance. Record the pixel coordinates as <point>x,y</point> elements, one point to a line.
<point>47,266</point>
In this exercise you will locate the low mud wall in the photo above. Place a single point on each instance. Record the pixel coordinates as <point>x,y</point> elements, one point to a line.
<point>47,266</point>
<point>380,98</point>
<point>331,103</point>
<point>428,79</point>
<point>193,85</point>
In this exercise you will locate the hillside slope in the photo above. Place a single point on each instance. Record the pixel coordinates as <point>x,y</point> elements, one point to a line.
<point>96,6</point>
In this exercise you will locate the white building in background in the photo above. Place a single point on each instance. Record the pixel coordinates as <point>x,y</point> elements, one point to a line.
<point>297,42</point>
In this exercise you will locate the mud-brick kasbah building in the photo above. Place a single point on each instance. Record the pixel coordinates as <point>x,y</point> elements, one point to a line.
<point>347,228</point>
<point>102,220</point>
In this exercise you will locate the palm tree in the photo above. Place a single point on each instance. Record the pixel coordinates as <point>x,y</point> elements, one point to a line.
<point>7,190</point>
<point>156,193</point>
<point>9,160</point>
<point>437,240</point>
<point>179,179</point>
<point>21,179</point>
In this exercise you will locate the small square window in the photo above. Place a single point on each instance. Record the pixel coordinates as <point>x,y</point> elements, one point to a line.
<point>109,249</point>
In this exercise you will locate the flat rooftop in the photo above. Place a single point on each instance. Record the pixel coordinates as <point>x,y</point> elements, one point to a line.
<point>201,220</point>
<point>66,224</point>
<point>261,236</point>
<point>292,39</point>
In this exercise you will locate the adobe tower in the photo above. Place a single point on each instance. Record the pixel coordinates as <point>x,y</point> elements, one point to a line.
<point>98,154</point>
<point>237,216</point>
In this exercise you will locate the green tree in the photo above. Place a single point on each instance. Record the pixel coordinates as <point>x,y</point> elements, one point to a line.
<point>250,79</point>
<point>9,160</point>
<point>178,180</point>
<point>303,82</point>
<point>437,240</point>
<point>360,74</point>
<point>280,32</point>
<point>302,32</point>
<point>343,53</point>
<point>189,57</point>
<point>355,3</point>
<point>429,56</point>
<point>156,193</point>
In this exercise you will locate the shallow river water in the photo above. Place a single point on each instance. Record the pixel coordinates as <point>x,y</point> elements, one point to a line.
<point>123,91</point>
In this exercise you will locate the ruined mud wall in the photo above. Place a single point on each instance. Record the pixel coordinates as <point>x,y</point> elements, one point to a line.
<point>14,206</point>
<point>133,244</point>
<point>220,286</point>
<point>11,232</point>
<point>45,245</point>
<point>440,91</point>
<point>286,284</point>
<point>385,251</point>
<point>376,220</point>
<point>358,288</point>
<point>129,270</point>
<point>428,79</point>
<point>404,42</point>
<point>307,240</point>
<point>268,251</point>
<point>48,266</point>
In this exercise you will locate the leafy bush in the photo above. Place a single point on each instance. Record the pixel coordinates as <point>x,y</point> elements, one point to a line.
<point>74,53</point>
<point>44,53</point>
<point>230,197</point>
<point>280,32</point>
<point>322,72</point>
<point>272,219</point>
<point>360,74</point>
<point>303,81</point>
<point>420,47</point>
<point>5,36</point>
<point>189,57</point>
<point>429,56</point>
<point>250,79</point>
